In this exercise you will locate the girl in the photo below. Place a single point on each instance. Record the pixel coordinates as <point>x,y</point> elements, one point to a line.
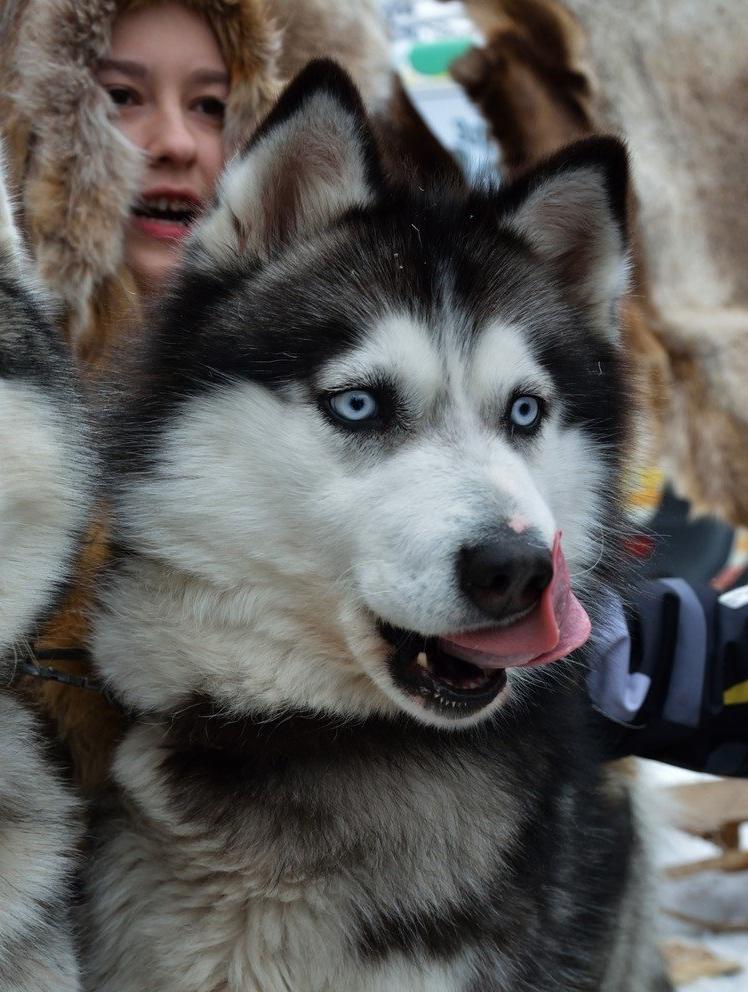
<point>86,136</point>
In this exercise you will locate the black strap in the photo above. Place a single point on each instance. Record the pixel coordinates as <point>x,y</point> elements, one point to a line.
<point>55,675</point>
<point>28,664</point>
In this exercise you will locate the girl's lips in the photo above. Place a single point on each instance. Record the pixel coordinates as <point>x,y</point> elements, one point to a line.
<point>162,230</point>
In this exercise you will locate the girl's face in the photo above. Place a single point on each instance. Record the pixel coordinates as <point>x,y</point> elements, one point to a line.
<point>167,78</point>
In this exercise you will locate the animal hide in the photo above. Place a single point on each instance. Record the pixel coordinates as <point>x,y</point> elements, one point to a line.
<point>669,75</point>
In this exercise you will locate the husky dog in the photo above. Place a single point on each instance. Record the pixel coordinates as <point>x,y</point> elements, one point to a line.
<point>44,480</point>
<point>373,434</point>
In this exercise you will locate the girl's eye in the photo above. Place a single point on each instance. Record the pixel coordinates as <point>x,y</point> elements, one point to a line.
<point>212,107</point>
<point>525,413</point>
<point>121,96</point>
<point>354,406</point>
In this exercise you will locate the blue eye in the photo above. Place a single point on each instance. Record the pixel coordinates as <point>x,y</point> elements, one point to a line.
<point>354,406</point>
<point>525,413</point>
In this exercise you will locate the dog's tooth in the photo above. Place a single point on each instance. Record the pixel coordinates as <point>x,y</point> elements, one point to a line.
<point>422,659</point>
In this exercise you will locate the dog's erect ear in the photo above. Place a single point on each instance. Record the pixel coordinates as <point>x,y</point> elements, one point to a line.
<point>572,211</point>
<point>13,258</point>
<point>313,159</point>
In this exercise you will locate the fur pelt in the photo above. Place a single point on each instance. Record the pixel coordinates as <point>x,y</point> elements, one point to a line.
<point>669,76</point>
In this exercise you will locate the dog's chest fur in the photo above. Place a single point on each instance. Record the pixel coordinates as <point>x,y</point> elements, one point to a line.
<point>297,855</point>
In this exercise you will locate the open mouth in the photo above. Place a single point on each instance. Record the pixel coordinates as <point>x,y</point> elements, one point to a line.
<point>167,210</point>
<point>460,673</point>
<point>422,668</point>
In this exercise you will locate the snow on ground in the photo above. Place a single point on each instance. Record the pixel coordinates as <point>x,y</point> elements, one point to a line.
<point>707,895</point>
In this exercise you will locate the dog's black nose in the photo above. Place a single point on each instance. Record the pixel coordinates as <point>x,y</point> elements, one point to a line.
<point>506,575</point>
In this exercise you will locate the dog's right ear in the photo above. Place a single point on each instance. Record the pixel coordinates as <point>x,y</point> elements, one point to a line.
<point>313,159</point>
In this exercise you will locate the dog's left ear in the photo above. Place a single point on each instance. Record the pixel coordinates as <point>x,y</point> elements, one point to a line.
<point>313,159</point>
<point>572,212</point>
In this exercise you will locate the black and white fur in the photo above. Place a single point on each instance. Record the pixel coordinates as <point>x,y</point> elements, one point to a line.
<point>45,479</point>
<point>290,815</point>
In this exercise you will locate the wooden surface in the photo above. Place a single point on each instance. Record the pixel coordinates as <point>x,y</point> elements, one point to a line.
<point>686,962</point>
<point>710,809</point>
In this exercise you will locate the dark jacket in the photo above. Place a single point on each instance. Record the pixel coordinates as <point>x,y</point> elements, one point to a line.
<point>670,677</point>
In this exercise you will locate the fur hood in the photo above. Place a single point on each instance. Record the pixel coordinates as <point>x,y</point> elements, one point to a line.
<point>76,174</point>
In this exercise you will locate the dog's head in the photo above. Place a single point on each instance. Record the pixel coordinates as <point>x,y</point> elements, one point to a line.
<point>368,415</point>
<point>45,468</point>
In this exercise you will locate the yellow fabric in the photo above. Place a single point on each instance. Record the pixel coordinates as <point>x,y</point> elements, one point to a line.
<point>643,491</point>
<point>736,694</point>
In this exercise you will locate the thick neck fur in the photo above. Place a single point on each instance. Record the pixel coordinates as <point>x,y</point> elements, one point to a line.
<point>168,635</point>
<point>176,649</point>
<point>283,792</point>
<point>391,844</point>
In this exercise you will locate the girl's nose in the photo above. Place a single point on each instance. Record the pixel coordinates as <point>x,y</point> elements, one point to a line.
<point>171,138</point>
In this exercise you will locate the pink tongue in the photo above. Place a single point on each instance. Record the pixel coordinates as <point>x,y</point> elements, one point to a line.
<point>555,628</point>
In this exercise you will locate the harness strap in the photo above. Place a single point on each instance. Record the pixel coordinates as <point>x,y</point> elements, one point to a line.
<point>30,665</point>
